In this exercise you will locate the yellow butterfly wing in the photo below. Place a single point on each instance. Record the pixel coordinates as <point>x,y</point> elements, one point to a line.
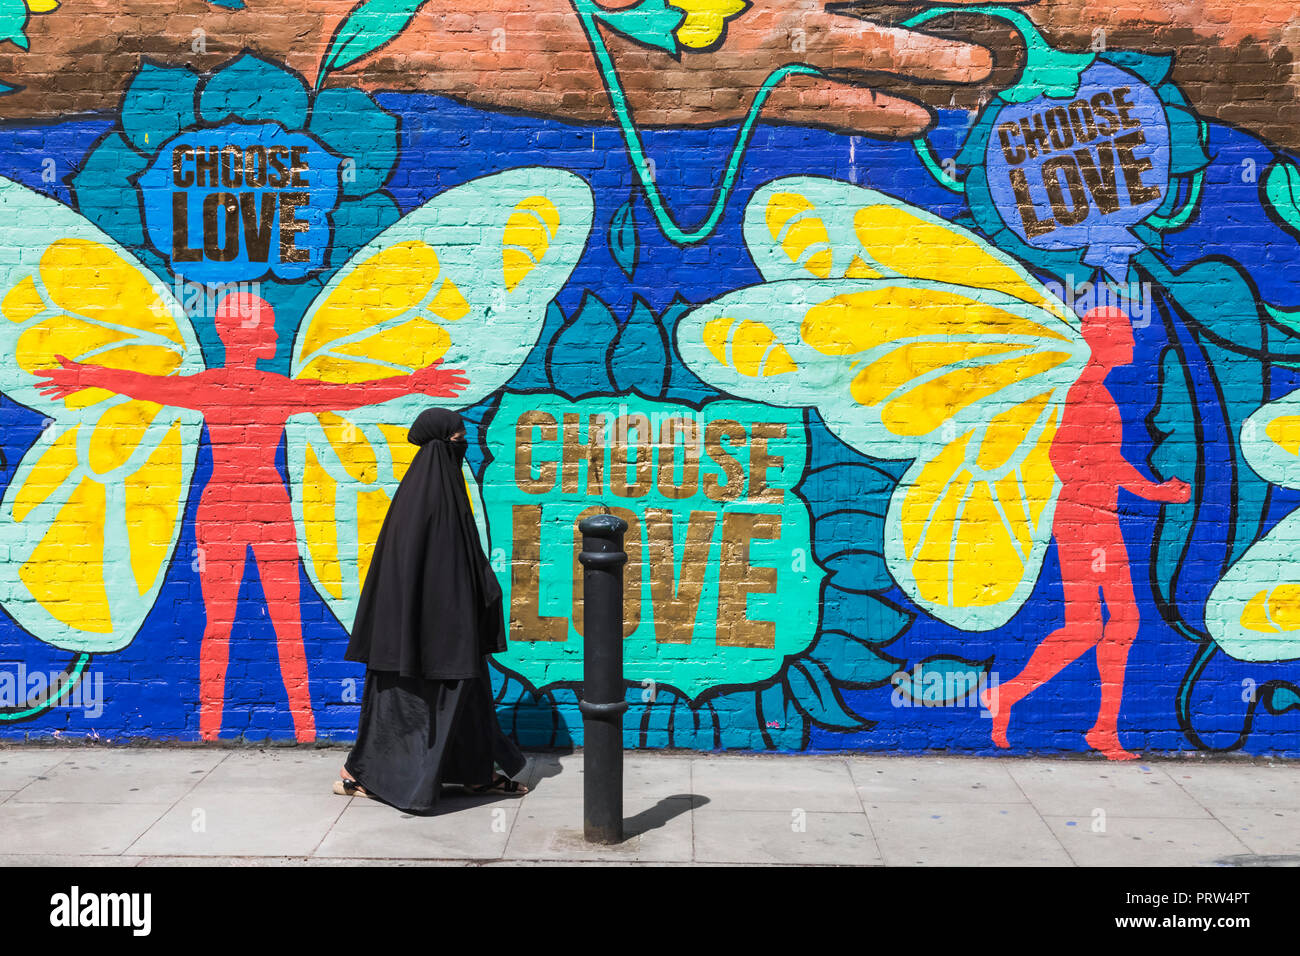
<point>90,519</point>
<point>968,380</point>
<point>465,279</point>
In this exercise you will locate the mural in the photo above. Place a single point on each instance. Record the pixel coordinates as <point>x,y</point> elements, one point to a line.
<point>907,412</point>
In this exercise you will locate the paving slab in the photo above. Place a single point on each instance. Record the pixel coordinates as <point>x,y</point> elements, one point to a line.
<point>649,777</point>
<point>279,770</point>
<point>462,829</point>
<point>655,830</point>
<point>1224,786</point>
<point>1262,830</point>
<point>68,859</point>
<point>961,834</point>
<point>19,766</point>
<point>935,779</point>
<point>1076,788</point>
<point>74,828</point>
<point>241,824</point>
<point>294,861</point>
<point>796,838</point>
<point>1145,841</point>
<point>762,783</point>
<point>122,776</point>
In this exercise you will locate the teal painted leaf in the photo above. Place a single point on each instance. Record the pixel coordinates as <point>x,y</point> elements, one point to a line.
<point>13,22</point>
<point>622,238</point>
<point>871,619</point>
<point>575,362</point>
<point>854,662</point>
<point>779,720</point>
<point>1282,188</point>
<point>370,25</point>
<point>1186,152</point>
<point>1175,453</point>
<point>651,22</point>
<point>228,4</point>
<point>158,104</point>
<point>1282,697</point>
<point>639,356</point>
<point>1153,68</point>
<point>815,695</point>
<point>942,681</point>
<point>5,88</point>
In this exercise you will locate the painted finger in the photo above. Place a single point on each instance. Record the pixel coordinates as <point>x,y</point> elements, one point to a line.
<point>816,101</point>
<point>837,42</point>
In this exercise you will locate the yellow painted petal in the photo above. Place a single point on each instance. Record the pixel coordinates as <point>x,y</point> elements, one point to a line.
<point>152,498</point>
<point>1008,430</point>
<point>912,247</point>
<point>351,447</point>
<point>528,234</point>
<point>1284,607</point>
<point>414,344</point>
<point>1285,432</point>
<point>857,321</point>
<point>320,525</point>
<point>390,283</point>
<point>895,369</point>
<point>22,302</point>
<point>118,433</point>
<point>919,498</point>
<point>91,280</point>
<point>987,567</point>
<point>51,470</point>
<point>705,20</point>
<point>400,450</point>
<point>922,409</point>
<point>41,6</point>
<point>1037,474</point>
<point>65,572</point>
<point>932,564</point>
<point>371,508</point>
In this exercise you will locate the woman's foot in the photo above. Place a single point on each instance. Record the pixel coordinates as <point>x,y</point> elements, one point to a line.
<point>347,786</point>
<point>500,784</point>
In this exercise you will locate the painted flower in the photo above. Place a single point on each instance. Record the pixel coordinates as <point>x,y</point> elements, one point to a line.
<point>13,18</point>
<point>706,21</point>
<point>246,98</point>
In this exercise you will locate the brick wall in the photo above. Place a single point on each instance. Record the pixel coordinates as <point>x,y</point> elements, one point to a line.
<point>938,361</point>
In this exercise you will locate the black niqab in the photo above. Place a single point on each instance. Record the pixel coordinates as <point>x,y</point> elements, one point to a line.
<point>430,606</point>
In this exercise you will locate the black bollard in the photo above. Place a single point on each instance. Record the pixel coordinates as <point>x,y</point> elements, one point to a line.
<point>602,702</point>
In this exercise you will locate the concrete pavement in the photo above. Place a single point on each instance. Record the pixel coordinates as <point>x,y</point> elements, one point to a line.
<point>127,806</point>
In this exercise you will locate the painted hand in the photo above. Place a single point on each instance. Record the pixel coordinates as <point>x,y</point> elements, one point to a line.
<point>69,378</point>
<point>531,56</point>
<point>438,382</point>
<point>1174,491</point>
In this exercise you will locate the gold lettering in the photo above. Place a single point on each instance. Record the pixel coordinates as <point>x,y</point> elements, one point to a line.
<point>737,579</point>
<point>545,480</point>
<point>677,607</point>
<point>734,486</point>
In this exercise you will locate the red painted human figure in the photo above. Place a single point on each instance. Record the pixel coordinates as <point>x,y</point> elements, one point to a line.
<point>245,503</point>
<point>1086,455</point>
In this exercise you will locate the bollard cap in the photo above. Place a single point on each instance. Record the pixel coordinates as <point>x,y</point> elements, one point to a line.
<point>602,526</point>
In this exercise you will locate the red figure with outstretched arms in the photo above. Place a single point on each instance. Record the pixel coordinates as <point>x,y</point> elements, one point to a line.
<point>245,503</point>
<point>1086,455</point>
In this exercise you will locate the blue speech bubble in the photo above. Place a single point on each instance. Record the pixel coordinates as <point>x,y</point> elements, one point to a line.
<point>240,202</point>
<point>1080,173</point>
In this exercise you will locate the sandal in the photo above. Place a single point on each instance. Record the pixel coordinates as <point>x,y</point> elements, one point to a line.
<point>500,784</point>
<point>349,788</point>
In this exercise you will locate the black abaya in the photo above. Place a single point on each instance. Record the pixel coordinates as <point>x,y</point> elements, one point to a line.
<point>429,613</point>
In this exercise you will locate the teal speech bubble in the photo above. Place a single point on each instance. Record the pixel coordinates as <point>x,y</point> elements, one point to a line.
<point>720,586</point>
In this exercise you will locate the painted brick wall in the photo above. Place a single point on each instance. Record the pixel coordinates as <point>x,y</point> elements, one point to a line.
<point>940,361</point>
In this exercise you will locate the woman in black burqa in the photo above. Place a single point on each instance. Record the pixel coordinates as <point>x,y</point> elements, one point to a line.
<point>429,614</point>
